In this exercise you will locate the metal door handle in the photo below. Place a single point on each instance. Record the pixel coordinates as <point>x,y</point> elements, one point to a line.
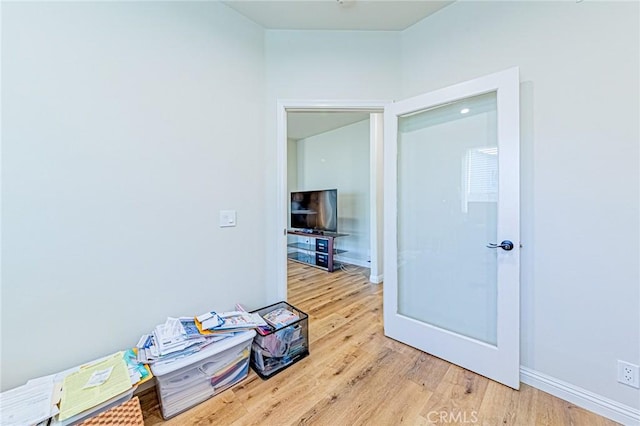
<point>505,245</point>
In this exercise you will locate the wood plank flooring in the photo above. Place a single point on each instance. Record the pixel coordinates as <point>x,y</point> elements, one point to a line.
<point>357,376</point>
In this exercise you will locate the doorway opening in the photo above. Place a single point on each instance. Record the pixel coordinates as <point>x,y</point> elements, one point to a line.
<point>338,145</point>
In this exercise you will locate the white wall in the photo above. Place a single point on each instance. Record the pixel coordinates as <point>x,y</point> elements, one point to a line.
<point>312,65</point>
<point>340,159</point>
<point>126,128</point>
<point>580,172</point>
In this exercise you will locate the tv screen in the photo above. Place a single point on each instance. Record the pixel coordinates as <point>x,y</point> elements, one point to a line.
<point>315,210</point>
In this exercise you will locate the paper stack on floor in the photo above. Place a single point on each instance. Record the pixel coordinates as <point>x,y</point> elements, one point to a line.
<point>181,337</point>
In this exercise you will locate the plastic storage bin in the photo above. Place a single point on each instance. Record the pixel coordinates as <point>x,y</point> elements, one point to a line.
<point>282,346</point>
<point>94,411</point>
<point>195,378</point>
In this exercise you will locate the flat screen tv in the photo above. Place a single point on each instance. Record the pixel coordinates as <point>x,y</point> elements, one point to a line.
<point>315,211</point>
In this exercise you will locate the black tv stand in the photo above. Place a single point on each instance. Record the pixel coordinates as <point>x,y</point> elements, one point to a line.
<point>318,252</point>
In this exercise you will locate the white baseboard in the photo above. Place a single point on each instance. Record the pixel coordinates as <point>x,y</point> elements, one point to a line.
<point>581,397</point>
<point>376,279</point>
<point>352,261</point>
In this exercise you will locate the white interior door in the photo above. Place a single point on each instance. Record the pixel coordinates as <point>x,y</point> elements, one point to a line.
<point>451,196</point>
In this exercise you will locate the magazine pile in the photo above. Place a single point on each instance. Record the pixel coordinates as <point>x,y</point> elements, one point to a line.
<point>184,336</point>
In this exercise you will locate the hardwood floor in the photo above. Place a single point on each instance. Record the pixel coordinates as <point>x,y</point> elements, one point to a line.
<point>357,376</point>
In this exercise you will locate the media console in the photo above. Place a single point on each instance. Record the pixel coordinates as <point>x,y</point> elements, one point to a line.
<point>318,251</point>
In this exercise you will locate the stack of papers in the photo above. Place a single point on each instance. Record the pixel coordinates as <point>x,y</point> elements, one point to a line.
<point>31,403</point>
<point>82,391</point>
<point>138,372</point>
<point>175,339</point>
<point>209,320</point>
<point>94,384</point>
<point>228,321</point>
<point>235,320</point>
<point>172,337</point>
<point>184,336</point>
<point>280,317</point>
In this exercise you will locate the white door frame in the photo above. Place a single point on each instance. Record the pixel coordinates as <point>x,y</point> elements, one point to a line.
<point>284,106</point>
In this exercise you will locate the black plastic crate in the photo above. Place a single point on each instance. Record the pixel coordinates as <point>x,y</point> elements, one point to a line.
<point>283,345</point>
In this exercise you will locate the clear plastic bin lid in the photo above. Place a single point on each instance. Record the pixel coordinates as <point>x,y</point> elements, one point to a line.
<point>213,349</point>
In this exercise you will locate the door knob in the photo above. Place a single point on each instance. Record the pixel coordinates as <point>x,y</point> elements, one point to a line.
<point>505,245</point>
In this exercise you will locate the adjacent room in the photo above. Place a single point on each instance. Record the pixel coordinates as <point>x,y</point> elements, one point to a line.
<point>330,151</point>
<point>165,159</point>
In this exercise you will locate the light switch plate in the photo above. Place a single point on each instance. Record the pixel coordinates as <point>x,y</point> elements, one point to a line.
<point>227,218</point>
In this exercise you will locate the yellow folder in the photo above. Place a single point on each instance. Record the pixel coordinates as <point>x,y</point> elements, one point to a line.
<point>77,393</point>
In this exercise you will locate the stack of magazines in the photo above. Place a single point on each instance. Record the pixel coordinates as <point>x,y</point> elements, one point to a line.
<point>181,337</point>
<point>280,317</point>
<point>175,339</point>
<point>211,322</point>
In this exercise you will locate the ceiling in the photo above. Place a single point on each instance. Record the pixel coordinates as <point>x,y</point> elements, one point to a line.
<point>362,15</point>
<point>301,125</point>
<point>356,15</point>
